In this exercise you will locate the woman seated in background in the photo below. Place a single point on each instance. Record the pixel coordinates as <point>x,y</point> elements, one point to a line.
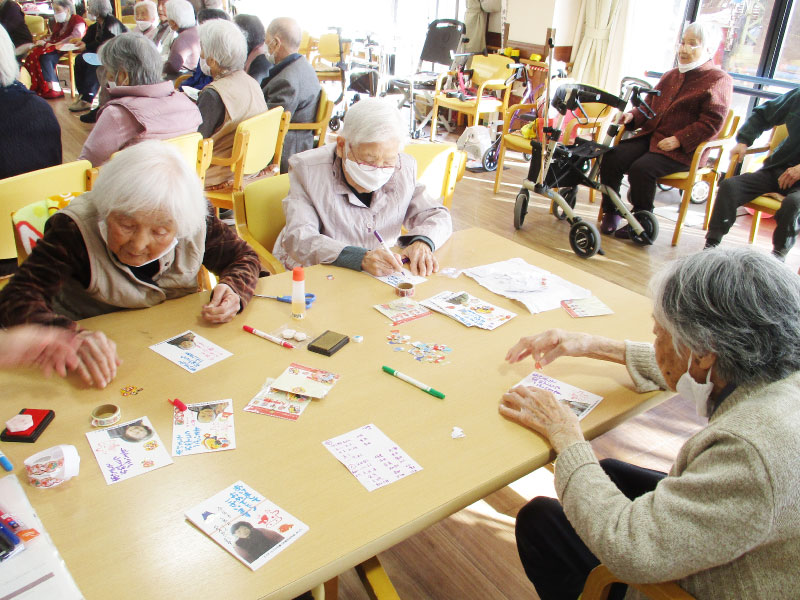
<point>13,20</point>
<point>342,193</point>
<point>257,64</point>
<point>164,35</point>
<point>185,48</point>
<point>231,98</point>
<point>198,80</point>
<point>30,136</point>
<point>67,28</point>
<point>106,27</point>
<point>725,521</point>
<point>141,105</point>
<point>140,237</point>
<point>691,109</point>
<point>146,14</point>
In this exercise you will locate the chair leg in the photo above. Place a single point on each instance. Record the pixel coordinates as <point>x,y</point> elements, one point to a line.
<point>712,196</point>
<point>754,228</point>
<point>434,119</point>
<point>376,581</point>
<point>332,589</point>
<point>600,213</point>
<point>687,193</point>
<point>499,173</point>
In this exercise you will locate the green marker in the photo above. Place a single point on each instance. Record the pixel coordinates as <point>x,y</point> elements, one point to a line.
<point>414,382</point>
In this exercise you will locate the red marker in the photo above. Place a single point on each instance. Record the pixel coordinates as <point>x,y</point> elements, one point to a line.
<point>177,404</point>
<point>266,336</point>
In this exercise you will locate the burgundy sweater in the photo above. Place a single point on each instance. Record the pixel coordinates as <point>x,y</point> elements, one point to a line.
<point>692,107</point>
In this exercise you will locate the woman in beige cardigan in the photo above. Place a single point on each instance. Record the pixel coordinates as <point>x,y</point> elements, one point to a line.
<point>725,521</point>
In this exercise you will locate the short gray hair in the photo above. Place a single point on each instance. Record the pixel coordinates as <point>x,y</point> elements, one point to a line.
<point>9,67</point>
<point>66,4</point>
<point>708,33</point>
<point>152,8</point>
<point>224,42</point>
<point>182,12</point>
<point>288,31</point>
<point>152,176</point>
<point>99,8</point>
<point>136,54</point>
<point>374,120</point>
<point>253,30</point>
<point>737,303</point>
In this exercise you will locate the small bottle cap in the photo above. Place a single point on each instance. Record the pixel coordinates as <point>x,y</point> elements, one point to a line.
<point>298,274</point>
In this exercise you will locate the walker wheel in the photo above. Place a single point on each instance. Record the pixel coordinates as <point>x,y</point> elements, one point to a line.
<point>700,192</point>
<point>490,159</point>
<point>334,123</point>
<point>649,223</point>
<point>526,156</point>
<point>570,195</point>
<point>521,207</point>
<point>584,239</point>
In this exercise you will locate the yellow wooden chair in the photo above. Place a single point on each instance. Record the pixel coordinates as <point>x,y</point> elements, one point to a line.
<point>25,77</point>
<point>768,203</point>
<point>327,57</point>
<point>196,150</point>
<point>259,218</point>
<point>37,26</point>
<point>258,142</point>
<point>489,73</point>
<point>708,173</point>
<point>598,586</point>
<point>320,124</point>
<point>21,190</point>
<point>439,167</point>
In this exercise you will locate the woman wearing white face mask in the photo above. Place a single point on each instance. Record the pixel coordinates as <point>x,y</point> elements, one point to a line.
<point>691,109</point>
<point>342,194</point>
<point>146,14</point>
<point>725,522</point>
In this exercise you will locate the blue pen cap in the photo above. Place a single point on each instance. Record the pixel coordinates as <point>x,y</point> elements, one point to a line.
<point>6,463</point>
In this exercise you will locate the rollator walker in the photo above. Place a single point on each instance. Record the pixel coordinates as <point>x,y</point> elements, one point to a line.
<point>567,167</point>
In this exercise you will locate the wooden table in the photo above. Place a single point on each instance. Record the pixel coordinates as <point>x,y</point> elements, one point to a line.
<point>130,540</point>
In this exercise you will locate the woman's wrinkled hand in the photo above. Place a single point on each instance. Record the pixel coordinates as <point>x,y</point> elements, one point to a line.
<point>380,263</point>
<point>669,144</point>
<point>421,260</point>
<point>549,345</point>
<point>97,358</point>
<point>540,411</point>
<point>50,348</point>
<point>223,306</point>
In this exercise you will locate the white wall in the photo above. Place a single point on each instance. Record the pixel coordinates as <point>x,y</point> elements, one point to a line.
<point>565,21</point>
<point>528,20</point>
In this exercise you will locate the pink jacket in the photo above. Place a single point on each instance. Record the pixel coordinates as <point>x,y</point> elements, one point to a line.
<point>137,113</point>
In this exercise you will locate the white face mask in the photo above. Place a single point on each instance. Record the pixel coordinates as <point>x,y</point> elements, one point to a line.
<point>369,180</point>
<point>60,17</point>
<point>704,57</point>
<point>143,25</point>
<point>204,67</point>
<point>691,390</point>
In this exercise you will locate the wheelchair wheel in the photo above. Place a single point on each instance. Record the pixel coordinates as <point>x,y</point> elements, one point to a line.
<point>521,208</point>
<point>649,223</point>
<point>661,186</point>
<point>584,239</point>
<point>490,159</point>
<point>700,192</point>
<point>334,123</point>
<point>570,195</point>
<point>526,156</point>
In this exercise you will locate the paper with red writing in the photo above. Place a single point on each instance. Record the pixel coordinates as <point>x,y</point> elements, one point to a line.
<point>371,456</point>
<point>305,381</point>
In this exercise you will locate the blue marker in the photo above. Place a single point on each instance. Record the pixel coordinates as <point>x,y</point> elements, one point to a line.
<point>10,535</point>
<point>5,462</point>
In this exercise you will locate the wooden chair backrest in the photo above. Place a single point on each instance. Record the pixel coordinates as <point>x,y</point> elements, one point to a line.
<point>263,208</point>
<point>494,66</point>
<point>264,132</point>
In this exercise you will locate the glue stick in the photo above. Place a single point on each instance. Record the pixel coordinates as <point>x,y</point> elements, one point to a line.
<point>298,293</point>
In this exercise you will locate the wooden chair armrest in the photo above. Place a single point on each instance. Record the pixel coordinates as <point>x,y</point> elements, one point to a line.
<point>492,84</point>
<point>600,580</point>
<point>237,153</point>
<point>303,126</point>
<point>440,79</point>
<point>181,79</point>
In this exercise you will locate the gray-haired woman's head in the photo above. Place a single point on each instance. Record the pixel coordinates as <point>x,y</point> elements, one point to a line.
<point>99,8</point>
<point>374,120</point>
<point>253,29</point>
<point>739,304</point>
<point>152,177</point>
<point>66,5</point>
<point>134,54</point>
<point>224,42</point>
<point>709,34</point>
<point>181,13</point>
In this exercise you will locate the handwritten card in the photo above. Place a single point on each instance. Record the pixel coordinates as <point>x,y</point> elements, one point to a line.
<point>305,381</point>
<point>276,403</point>
<point>469,310</point>
<point>128,450</point>
<point>403,276</point>
<point>246,524</point>
<point>191,351</point>
<point>586,307</point>
<point>402,310</point>
<point>372,457</point>
<point>203,427</point>
<point>579,401</point>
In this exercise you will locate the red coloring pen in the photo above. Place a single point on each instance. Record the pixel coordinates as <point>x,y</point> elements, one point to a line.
<point>266,336</point>
<point>177,404</point>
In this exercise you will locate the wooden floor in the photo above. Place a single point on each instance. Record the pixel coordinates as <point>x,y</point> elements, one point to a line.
<point>472,554</point>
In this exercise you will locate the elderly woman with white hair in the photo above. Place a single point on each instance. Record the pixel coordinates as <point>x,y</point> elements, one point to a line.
<point>140,237</point>
<point>691,109</point>
<point>725,522</point>
<point>231,97</point>
<point>185,48</point>
<point>30,136</point>
<point>145,12</point>
<point>342,194</point>
<point>141,105</point>
<point>106,27</point>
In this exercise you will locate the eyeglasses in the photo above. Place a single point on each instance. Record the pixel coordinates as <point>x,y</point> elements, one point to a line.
<point>691,47</point>
<point>370,167</point>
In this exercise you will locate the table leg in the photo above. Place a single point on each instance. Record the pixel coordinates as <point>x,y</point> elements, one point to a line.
<point>376,581</point>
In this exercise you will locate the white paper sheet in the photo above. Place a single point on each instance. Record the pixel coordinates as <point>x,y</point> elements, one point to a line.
<point>373,458</point>
<point>403,276</point>
<point>306,381</point>
<point>277,403</point>
<point>579,401</point>
<point>191,351</point>
<point>537,289</point>
<point>468,310</point>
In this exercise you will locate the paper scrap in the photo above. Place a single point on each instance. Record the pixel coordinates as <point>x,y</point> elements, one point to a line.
<point>191,351</point>
<point>579,401</point>
<point>457,433</point>
<point>276,403</point>
<point>306,381</point>
<point>203,427</point>
<point>371,456</point>
<point>402,310</point>
<point>586,307</point>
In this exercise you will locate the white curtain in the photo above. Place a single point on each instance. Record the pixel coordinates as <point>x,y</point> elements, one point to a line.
<point>591,57</point>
